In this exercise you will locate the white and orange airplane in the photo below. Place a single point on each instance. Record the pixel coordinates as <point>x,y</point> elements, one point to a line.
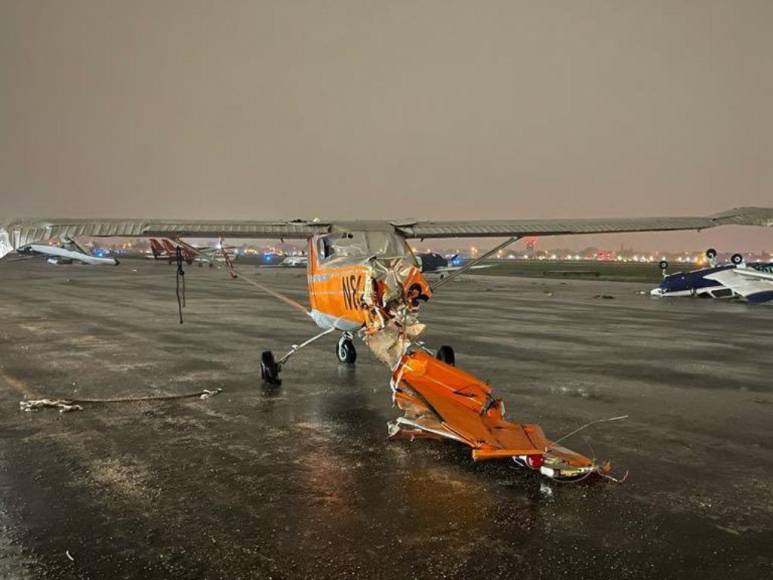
<point>364,280</point>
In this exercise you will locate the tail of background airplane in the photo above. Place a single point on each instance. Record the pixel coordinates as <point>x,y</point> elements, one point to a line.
<point>156,248</point>
<point>165,249</point>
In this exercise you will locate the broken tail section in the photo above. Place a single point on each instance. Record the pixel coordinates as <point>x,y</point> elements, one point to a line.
<point>442,401</point>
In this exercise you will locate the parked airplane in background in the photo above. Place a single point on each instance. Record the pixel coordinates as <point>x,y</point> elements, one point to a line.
<point>66,251</point>
<point>276,260</point>
<point>166,249</point>
<point>295,261</point>
<point>751,281</point>
<point>434,263</point>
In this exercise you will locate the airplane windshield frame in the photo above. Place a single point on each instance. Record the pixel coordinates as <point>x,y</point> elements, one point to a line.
<point>352,247</point>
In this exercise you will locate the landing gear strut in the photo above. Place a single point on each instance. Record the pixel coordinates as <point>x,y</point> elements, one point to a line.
<point>345,350</point>
<point>270,368</point>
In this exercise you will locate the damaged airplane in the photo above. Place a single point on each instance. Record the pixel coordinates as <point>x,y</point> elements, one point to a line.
<point>749,281</point>
<point>365,281</point>
<point>66,250</point>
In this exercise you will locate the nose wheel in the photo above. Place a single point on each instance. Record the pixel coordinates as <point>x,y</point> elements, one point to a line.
<point>345,351</point>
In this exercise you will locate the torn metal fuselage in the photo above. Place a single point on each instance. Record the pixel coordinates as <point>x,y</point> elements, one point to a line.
<point>367,282</point>
<point>370,282</point>
<point>442,401</point>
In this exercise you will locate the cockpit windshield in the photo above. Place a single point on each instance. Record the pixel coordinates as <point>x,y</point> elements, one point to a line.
<point>358,246</point>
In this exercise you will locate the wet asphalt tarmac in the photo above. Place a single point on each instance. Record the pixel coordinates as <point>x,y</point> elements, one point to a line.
<point>301,481</point>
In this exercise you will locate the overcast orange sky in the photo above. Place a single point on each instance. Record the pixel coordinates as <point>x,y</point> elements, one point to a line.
<point>354,109</point>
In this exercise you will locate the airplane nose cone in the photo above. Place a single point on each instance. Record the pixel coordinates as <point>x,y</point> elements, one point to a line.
<point>657,292</point>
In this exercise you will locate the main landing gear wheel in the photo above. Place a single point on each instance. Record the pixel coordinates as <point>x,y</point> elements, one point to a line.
<point>345,350</point>
<point>737,259</point>
<point>269,369</point>
<point>446,354</point>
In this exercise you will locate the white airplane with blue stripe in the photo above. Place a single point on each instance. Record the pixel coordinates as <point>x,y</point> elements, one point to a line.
<point>751,281</point>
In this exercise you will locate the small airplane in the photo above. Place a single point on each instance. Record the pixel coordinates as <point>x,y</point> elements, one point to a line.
<point>166,249</point>
<point>278,260</point>
<point>751,281</point>
<point>66,251</point>
<point>295,261</point>
<point>364,280</point>
<point>434,263</point>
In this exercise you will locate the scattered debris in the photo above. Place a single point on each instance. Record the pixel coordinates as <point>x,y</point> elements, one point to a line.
<point>604,296</point>
<point>69,556</point>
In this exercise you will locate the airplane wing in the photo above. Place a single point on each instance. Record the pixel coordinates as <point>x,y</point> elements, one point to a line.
<point>744,216</point>
<point>756,287</point>
<point>752,273</point>
<point>23,232</point>
<point>19,233</point>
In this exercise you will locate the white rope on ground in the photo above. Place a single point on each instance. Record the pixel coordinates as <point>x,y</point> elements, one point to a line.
<point>37,404</point>
<point>69,405</point>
